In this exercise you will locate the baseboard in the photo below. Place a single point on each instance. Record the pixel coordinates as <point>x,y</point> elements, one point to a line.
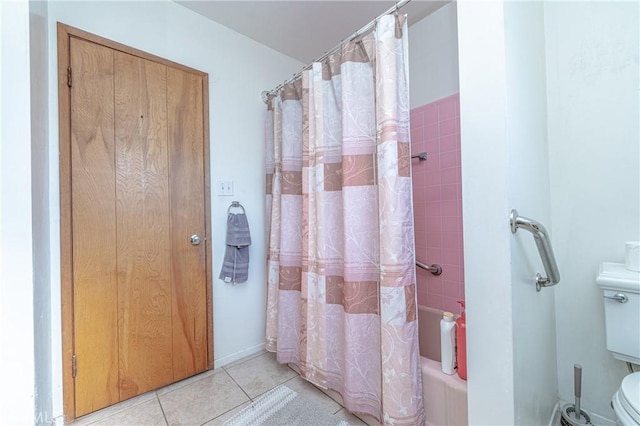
<point>555,415</point>
<point>225,360</point>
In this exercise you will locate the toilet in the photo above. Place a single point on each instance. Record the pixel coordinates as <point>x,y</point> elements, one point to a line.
<point>621,299</point>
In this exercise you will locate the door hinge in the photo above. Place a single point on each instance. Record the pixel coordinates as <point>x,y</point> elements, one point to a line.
<point>69,76</point>
<point>74,366</point>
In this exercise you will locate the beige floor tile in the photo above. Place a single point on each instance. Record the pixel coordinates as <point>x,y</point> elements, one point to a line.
<point>309,391</point>
<point>186,381</point>
<point>147,413</point>
<point>203,400</point>
<point>343,414</point>
<point>260,374</point>
<point>218,421</point>
<point>114,409</point>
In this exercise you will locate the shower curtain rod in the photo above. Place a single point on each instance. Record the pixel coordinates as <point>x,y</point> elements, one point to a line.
<point>361,31</point>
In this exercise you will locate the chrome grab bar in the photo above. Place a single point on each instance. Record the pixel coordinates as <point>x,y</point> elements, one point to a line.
<point>434,268</point>
<point>541,237</point>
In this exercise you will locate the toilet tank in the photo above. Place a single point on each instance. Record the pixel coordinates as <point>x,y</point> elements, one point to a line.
<point>622,319</point>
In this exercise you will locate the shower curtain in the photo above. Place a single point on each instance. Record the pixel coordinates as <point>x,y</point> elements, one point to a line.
<point>341,292</point>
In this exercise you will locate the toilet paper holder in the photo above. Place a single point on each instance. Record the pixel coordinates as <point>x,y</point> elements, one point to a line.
<point>541,237</point>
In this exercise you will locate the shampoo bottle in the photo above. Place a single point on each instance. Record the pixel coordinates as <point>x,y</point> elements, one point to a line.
<point>461,343</point>
<point>447,343</point>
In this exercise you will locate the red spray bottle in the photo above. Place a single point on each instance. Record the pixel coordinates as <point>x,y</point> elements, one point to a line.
<point>461,343</point>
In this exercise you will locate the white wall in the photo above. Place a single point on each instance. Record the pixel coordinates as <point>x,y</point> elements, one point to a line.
<point>38,24</point>
<point>433,53</point>
<point>239,69</point>
<point>592,75</point>
<point>534,320</point>
<point>510,326</point>
<point>485,196</point>
<point>586,189</point>
<point>16,257</point>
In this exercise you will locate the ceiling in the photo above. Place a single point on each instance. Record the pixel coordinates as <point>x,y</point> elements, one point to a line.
<point>302,29</point>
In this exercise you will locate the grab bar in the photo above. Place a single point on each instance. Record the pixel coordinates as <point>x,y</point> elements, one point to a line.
<point>434,268</point>
<point>541,237</point>
<point>422,156</point>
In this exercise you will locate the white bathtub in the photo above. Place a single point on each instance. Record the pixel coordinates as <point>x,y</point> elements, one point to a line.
<point>445,397</point>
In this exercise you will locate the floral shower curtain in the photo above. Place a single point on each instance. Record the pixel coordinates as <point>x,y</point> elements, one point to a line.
<point>341,277</point>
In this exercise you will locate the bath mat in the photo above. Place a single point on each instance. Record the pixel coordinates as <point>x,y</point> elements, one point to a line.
<point>284,406</point>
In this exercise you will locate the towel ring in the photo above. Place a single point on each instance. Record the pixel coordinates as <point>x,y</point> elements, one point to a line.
<point>235,204</point>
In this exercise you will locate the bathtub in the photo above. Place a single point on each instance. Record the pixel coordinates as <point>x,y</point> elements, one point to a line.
<point>445,397</point>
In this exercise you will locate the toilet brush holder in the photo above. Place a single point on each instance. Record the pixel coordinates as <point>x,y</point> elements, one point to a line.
<point>572,414</point>
<point>569,418</point>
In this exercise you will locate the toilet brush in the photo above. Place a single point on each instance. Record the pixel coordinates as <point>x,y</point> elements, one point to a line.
<point>572,415</point>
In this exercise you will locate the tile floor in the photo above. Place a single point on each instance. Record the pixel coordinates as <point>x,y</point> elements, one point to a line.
<point>213,397</point>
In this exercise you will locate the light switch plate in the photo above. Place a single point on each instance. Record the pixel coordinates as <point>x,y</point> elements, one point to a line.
<point>225,187</point>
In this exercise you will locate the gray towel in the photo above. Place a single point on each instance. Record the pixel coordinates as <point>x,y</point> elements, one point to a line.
<point>235,266</point>
<point>238,230</point>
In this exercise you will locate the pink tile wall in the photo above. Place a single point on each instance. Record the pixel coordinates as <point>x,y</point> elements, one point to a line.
<point>437,202</point>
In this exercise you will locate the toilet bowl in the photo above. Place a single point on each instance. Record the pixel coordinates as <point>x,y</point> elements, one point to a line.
<point>621,297</point>
<point>626,401</point>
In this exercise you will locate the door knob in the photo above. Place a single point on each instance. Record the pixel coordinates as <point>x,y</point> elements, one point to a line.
<point>195,239</point>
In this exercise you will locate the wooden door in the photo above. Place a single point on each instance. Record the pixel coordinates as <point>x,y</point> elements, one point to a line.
<point>185,128</point>
<point>95,284</point>
<point>143,225</point>
<point>141,304</point>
